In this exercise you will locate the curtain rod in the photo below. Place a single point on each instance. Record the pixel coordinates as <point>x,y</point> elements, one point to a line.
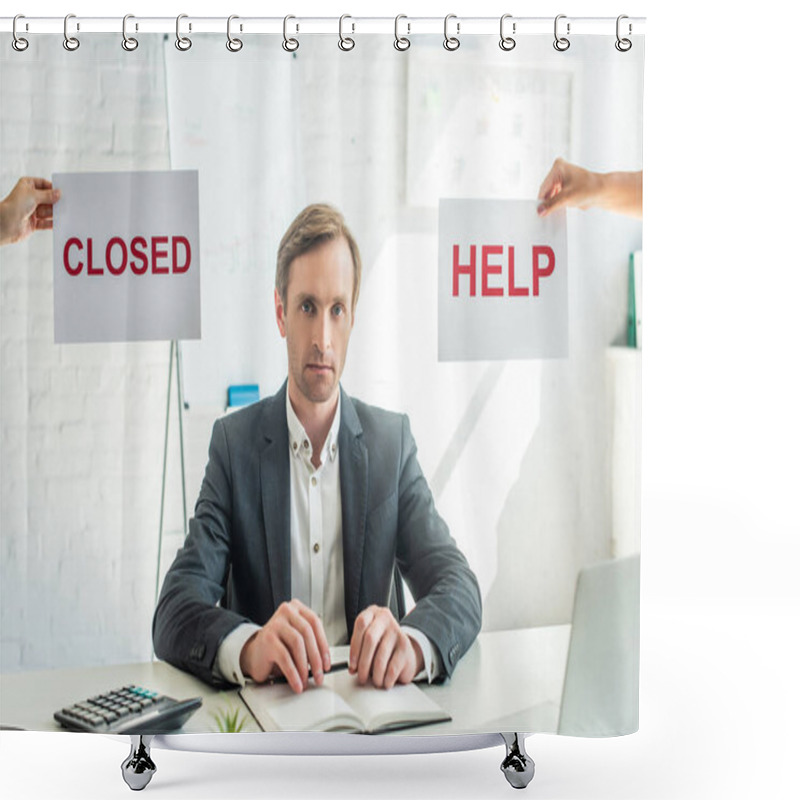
<point>405,26</point>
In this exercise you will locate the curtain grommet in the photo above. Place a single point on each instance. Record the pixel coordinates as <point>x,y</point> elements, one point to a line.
<point>623,44</point>
<point>346,43</point>
<point>289,44</point>
<point>451,43</point>
<point>71,43</point>
<point>507,43</point>
<point>19,43</point>
<point>561,43</point>
<point>183,43</point>
<point>401,43</point>
<point>129,43</point>
<point>233,44</point>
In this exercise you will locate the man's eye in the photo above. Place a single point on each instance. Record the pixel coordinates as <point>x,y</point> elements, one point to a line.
<point>306,307</point>
<point>338,311</point>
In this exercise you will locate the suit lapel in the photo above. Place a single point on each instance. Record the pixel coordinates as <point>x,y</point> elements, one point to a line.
<point>275,490</point>
<point>353,474</point>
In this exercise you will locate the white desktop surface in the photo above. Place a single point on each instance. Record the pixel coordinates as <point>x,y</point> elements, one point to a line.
<point>507,681</point>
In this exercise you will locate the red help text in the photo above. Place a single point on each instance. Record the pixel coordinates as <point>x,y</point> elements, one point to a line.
<point>157,254</point>
<point>497,259</point>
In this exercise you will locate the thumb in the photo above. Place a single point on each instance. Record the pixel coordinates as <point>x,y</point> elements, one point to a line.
<point>552,203</point>
<point>47,197</point>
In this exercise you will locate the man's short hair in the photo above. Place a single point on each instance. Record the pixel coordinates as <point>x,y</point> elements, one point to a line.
<point>313,226</point>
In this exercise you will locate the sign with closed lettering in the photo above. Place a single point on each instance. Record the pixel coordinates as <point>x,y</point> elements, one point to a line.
<point>502,281</point>
<point>126,256</point>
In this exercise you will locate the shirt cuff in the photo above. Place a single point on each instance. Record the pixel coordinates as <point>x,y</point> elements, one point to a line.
<point>226,664</point>
<point>432,661</point>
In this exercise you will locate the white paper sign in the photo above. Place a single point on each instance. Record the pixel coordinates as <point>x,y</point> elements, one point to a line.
<point>502,281</point>
<point>126,256</point>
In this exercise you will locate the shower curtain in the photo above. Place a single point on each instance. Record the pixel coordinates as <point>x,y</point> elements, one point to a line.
<point>526,419</point>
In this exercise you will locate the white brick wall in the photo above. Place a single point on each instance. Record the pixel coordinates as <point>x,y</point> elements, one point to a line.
<point>81,426</point>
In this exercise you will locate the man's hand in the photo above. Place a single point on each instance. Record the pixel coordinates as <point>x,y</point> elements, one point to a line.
<point>28,208</point>
<point>570,186</point>
<point>567,185</point>
<point>291,642</point>
<point>380,650</point>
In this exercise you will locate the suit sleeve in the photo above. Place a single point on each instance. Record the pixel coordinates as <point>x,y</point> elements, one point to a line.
<point>448,600</point>
<point>189,625</point>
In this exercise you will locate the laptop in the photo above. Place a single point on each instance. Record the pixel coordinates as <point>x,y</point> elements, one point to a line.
<point>601,684</point>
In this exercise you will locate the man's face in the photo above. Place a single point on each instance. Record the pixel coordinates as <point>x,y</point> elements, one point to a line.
<point>317,319</point>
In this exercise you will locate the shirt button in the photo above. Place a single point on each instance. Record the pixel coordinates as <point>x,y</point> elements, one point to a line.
<point>294,445</point>
<point>313,481</point>
<point>316,547</point>
<point>305,443</point>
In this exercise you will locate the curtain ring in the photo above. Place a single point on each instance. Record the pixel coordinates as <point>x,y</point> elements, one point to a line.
<point>561,43</point>
<point>506,42</point>
<point>183,43</point>
<point>346,43</point>
<point>401,43</point>
<point>233,44</point>
<point>18,42</point>
<point>623,45</point>
<point>451,42</point>
<point>71,43</point>
<point>289,45</point>
<point>129,43</point>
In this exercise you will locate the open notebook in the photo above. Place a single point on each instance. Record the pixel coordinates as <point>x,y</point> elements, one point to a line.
<point>340,704</point>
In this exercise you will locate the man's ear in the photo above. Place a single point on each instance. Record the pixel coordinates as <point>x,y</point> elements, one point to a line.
<point>280,314</point>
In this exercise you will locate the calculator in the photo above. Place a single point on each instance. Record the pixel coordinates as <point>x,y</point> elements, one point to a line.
<point>130,709</point>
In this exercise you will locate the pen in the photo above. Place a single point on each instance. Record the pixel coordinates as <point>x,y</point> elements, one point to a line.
<point>338,667</point>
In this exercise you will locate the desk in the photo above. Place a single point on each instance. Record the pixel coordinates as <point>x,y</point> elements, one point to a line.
<point>508,681</point>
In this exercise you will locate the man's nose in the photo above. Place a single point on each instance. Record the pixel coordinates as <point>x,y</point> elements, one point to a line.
<point>322,333</point>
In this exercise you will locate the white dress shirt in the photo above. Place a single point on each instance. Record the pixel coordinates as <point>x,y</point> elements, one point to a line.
<point>317,551</point>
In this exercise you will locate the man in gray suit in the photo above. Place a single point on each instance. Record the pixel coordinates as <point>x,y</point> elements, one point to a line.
<point>311,505</point>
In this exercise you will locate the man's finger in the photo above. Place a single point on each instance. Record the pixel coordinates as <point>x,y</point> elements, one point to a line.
<point>552,203</point>
<point>383,655</point>
<point>553,181</point>
<point>47,196</point>
<point>286,664</point>
<point>313,655</point>
<point>398,667</point>
<point>363,620</point>
<point>295,644</point>
<point>369,644</point>
<point>318,633</point>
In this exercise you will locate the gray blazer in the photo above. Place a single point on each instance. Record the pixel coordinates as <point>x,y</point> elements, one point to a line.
<point>235,564</point>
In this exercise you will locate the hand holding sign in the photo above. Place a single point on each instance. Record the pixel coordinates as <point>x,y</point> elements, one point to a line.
<point>27,208</point>
<point>567,185</point>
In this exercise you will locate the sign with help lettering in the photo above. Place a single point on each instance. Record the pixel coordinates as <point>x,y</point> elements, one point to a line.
<point>502,281</point>
<point>126,256</point>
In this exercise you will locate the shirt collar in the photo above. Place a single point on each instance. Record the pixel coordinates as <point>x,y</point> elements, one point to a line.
<point>299,442</point>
